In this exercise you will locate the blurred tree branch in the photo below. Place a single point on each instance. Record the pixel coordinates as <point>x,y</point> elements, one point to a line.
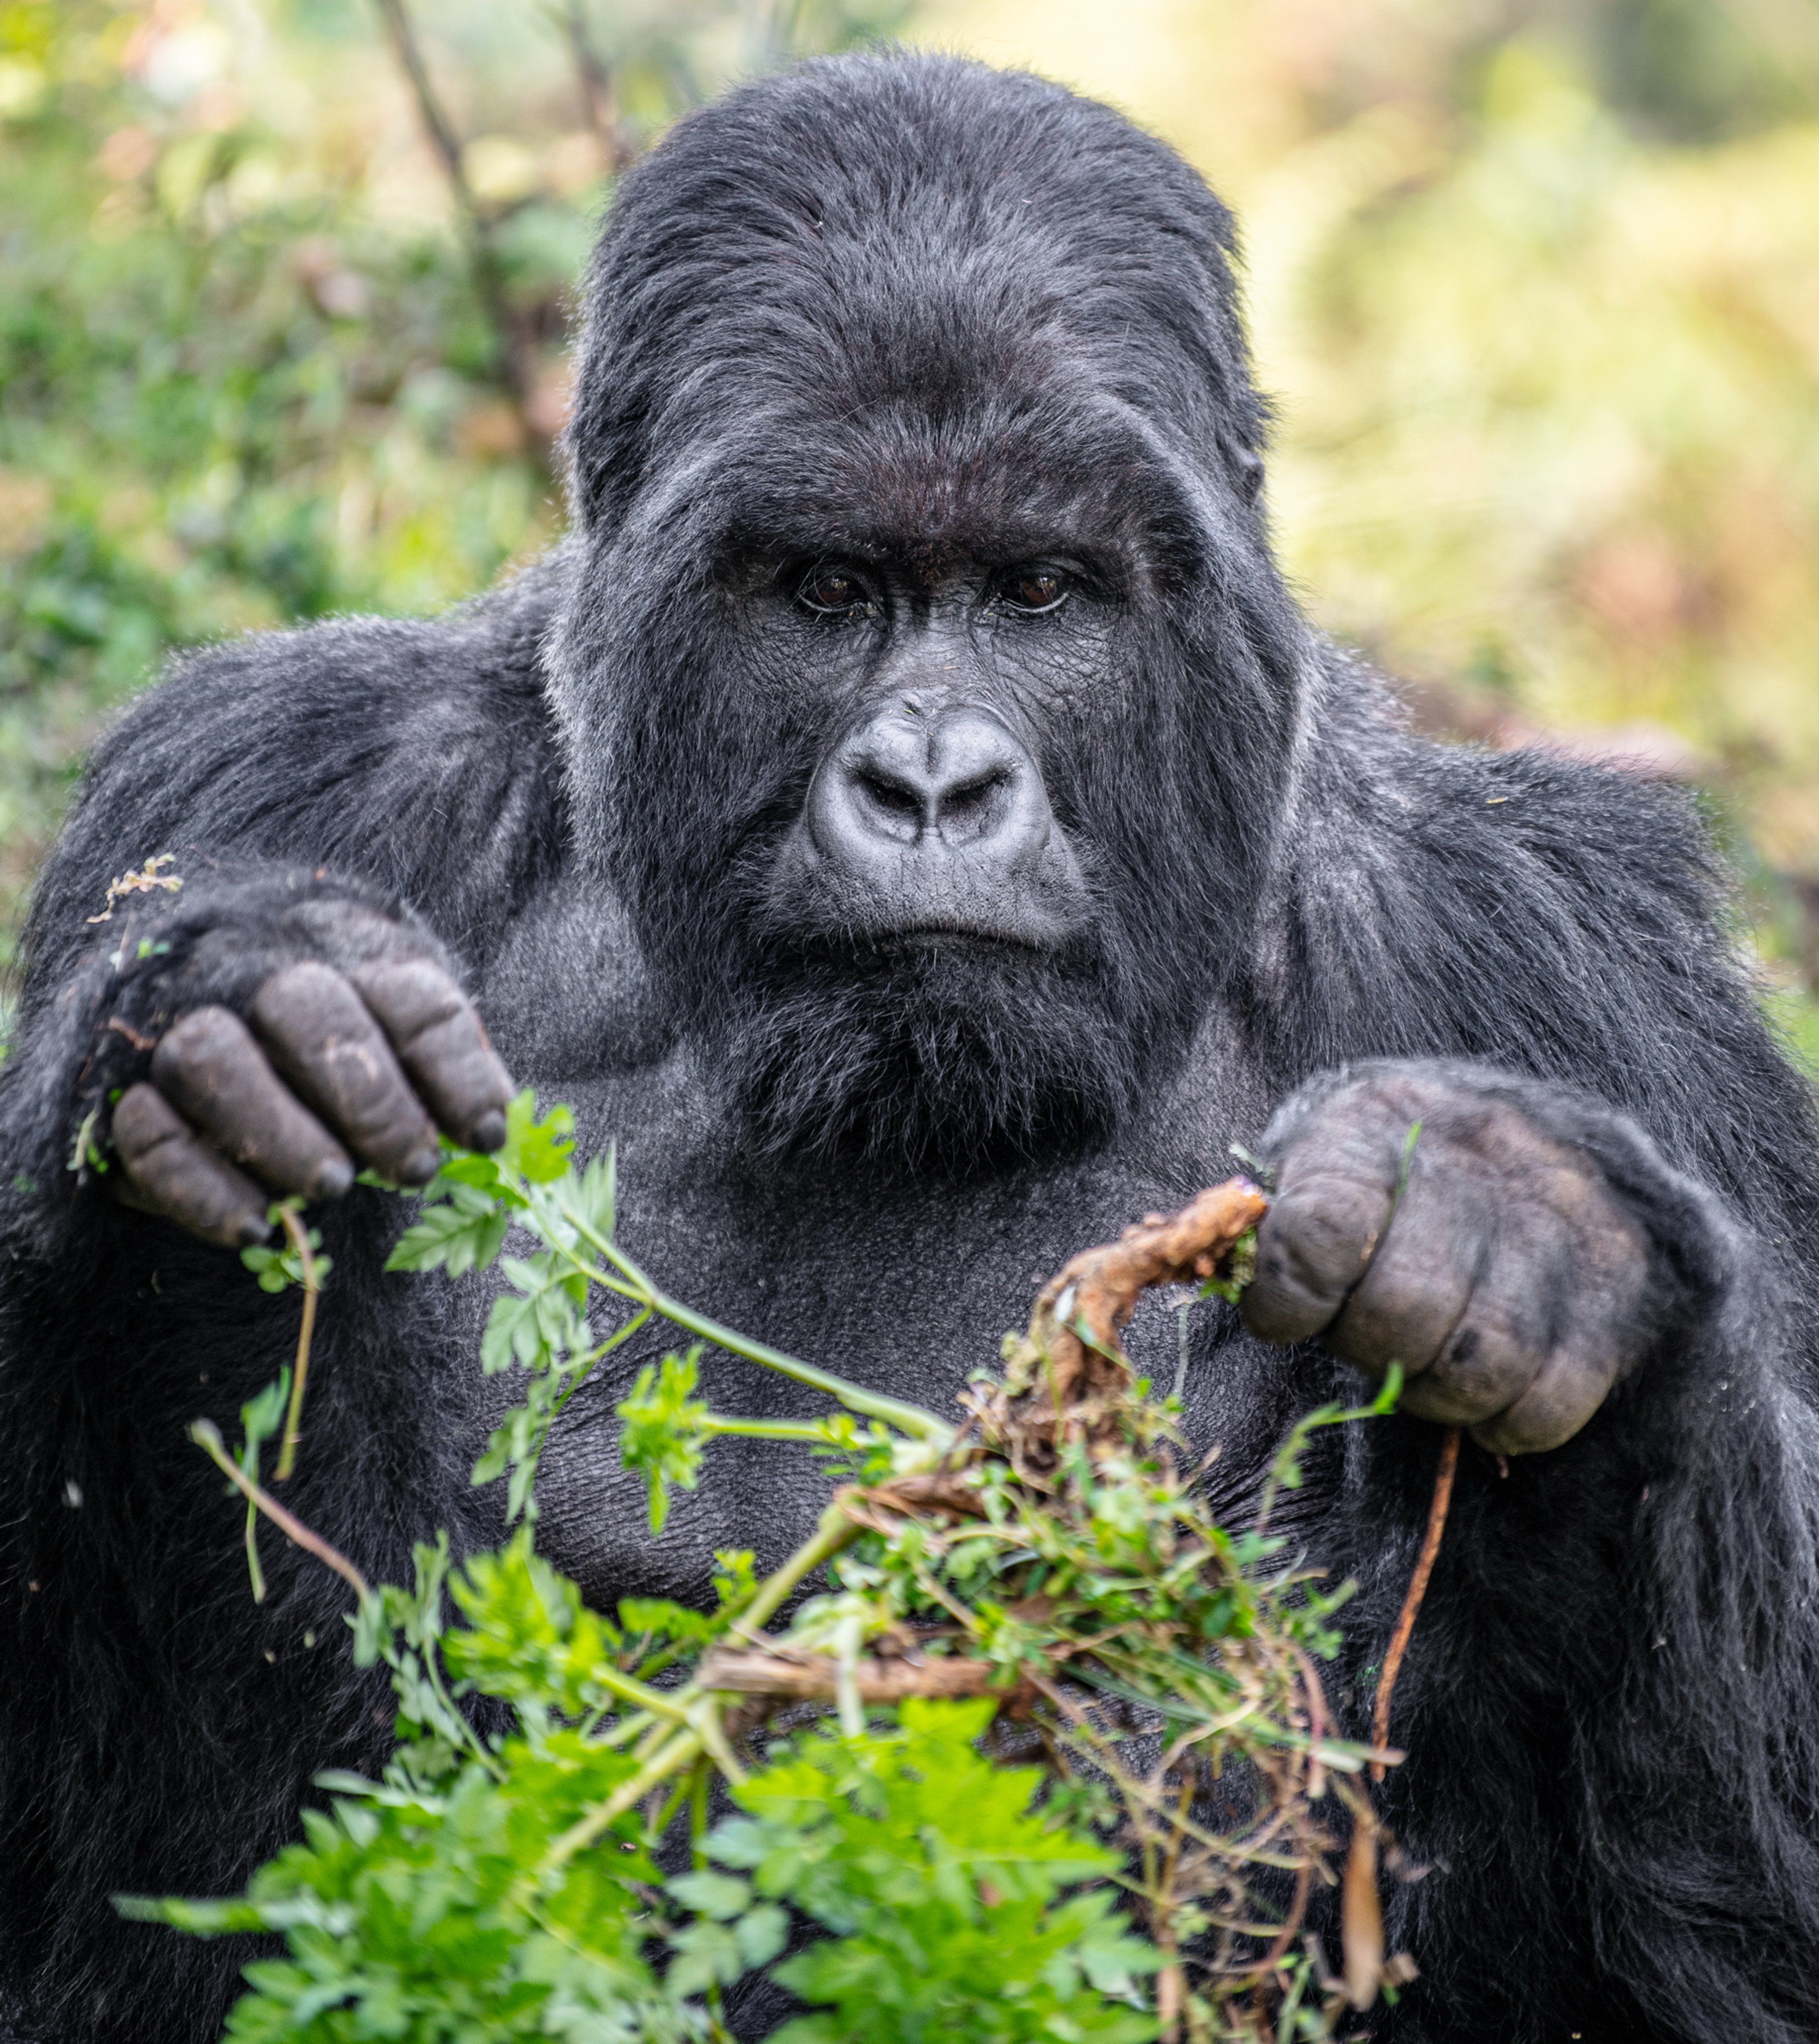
<point>480,224</point>
<point>599,87</point>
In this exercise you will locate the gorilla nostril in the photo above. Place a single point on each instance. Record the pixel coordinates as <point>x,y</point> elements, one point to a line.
<point>973,795</point>
<point>891,796</point>
<point>972,808</point>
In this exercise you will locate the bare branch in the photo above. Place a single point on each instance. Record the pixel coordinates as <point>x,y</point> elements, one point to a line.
<point>478,220</point>
<point>597,87</point>
<point>811,1677</point>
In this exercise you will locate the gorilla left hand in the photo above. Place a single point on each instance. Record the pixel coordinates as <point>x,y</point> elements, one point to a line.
<point>1423,1220</point>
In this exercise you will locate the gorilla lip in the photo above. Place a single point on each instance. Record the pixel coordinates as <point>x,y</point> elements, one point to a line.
<point>960,936</point>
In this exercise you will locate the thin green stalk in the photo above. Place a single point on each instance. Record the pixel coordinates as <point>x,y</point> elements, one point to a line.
<point>299,1236</point>
<point>677,1796</point>
<point>812,1430</point>
<point>621,1732</point>
<point>682,1751</point>
<point>700,1783</point>
<point>705,1716</point>
<point>703,1732</point>
<point>658,1703</point>
<point>588,1363</point>
<point>431,1659</point>
<point>912,1419</point>
<point>832,1531</point>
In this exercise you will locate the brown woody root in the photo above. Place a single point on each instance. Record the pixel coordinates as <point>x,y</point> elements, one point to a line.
<point>1072,1374</point>
<point>1082,1388</point>
<point>814,1678</point>
<point>1099,1288</point>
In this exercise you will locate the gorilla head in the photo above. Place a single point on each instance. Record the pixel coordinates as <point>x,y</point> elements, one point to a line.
<point>928,690</point>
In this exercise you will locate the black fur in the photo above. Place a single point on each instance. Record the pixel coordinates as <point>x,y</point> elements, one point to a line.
<point>913,314</point>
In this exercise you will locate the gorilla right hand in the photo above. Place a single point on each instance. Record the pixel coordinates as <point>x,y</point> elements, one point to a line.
<point>336,1037</point>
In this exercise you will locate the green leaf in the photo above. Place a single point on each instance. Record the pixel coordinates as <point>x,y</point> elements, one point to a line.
<point>944,1889</point>
<point>762,1934</point>
<point>537,1151</point>
<point>200,1920</point>
<point>720,1896</point>
<point>664,1432</point>
<point>260,1418</point>
<point>663,1620</point>
<point>707,1955</point>
<point>595,1196</point>
<point>528,1637</point>
<point>279,1266</point>
<point>512,1336</point>
<point>1285,1470</point>
<point>464,1232</point>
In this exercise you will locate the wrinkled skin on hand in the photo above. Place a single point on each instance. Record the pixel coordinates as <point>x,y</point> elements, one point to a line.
<point>1494,1263</point>
<point>333,1065</point>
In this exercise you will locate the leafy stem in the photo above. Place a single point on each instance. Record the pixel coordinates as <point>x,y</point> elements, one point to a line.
<point>633,1283</point>
<point>207,1435</point>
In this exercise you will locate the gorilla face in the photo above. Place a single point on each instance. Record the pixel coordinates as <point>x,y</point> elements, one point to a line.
<point>928,963</point>
<point>927,687</point>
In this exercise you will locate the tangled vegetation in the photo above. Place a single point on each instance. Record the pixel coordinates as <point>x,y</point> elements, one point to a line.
<point>1042,1751</point>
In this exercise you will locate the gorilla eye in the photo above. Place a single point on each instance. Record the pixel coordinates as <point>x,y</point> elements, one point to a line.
<point>834,592</point>
<point>1034,589</point>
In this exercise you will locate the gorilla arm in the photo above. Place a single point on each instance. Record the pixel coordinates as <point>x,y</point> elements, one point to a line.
<point>354,813</point>
<point>1608,1703</point>
<point>1604,1263</point>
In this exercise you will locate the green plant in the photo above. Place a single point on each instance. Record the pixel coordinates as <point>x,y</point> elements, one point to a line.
<point>1036,1577</point>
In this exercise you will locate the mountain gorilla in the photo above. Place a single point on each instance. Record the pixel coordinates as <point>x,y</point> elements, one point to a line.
<point>909,814</point>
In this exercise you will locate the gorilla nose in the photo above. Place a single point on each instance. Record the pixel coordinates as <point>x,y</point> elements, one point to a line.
<point>959,782</point>
<point>929,823</point>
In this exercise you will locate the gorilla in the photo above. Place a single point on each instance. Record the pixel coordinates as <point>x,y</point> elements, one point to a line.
<point>909,814</point>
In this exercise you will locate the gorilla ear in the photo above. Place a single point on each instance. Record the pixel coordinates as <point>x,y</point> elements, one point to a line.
<point>1247,464</point>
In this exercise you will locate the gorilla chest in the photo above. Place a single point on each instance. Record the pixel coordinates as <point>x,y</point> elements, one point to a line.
<point>901,1286</point>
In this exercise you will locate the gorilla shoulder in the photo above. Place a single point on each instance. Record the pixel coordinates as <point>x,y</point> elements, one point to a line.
<point>415,756</point>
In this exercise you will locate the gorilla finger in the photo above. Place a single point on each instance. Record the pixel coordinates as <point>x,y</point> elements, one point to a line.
<point>170,1170</point>
<point>1314,1244</point>
<point>326,1043</point>
<point>1486,1364</point>
<point>442,1043</point>
<point>1570,1388</point>
<point>1589,1332</point>
<point>1414,1294</point>
<point>209,1067</point>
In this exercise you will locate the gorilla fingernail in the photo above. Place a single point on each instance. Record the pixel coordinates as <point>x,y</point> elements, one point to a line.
<point>420,1167</point>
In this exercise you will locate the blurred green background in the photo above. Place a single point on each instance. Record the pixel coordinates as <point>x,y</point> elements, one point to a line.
<point>284,288</point>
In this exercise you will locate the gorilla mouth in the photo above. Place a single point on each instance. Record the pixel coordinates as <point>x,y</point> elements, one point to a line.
<point>949,1045</point>
<point>965,939</point>
<point>867,951</point>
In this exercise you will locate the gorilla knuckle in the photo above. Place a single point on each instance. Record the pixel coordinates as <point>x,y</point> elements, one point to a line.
<point>1312,1248</point>
<point>330,1048</point>
<point>1403,1311</point>
<point>1565,1394</point>
<point>1482,1369</point>
<point>173,1174</point>
<point>442,1044</point>
<point>212,1070</point>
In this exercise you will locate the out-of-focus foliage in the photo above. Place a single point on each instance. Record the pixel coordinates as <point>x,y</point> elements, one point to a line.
<point>247,373</point>
<point>1536,285</point>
